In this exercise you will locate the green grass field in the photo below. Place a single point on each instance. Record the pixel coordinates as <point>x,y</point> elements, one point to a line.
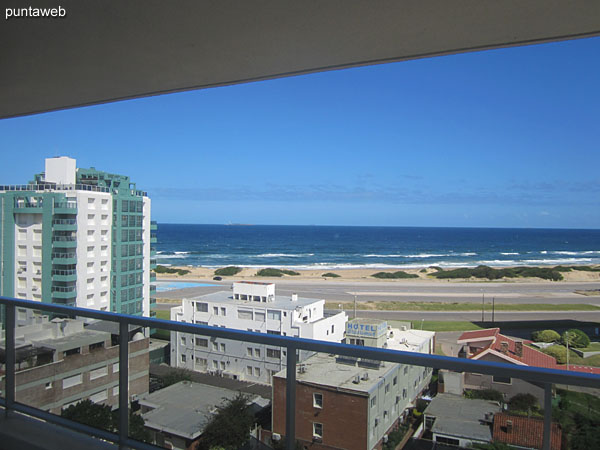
<point>442,306</point>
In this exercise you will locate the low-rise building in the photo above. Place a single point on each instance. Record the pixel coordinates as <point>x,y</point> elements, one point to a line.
<point>61,362</point>
<point>458,421</point>
<point>352,403</point>
<point>252,306</point>
<point>524,432</point>
<point>177,414</point>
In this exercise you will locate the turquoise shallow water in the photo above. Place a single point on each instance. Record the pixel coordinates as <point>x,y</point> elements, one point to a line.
<point>162,286</point>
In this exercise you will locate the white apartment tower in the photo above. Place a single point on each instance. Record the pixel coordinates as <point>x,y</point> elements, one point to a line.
<point>79,237</point>
<point>252,306</point>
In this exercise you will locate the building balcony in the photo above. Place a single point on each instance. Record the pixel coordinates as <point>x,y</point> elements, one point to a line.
<point>63,258</point>
<point>63,275</point>
<point>65,208</point>
<point>153,225</point>
<point>289,380</point>
<point>64,224</point>
<point>153,239</point>
<point>152,277</point>
<point>64,242</point>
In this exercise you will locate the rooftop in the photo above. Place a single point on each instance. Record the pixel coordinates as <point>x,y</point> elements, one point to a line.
<point>279,302</point>
<point>184,408</point>
<point>461,417</point>
<point>524,431</point>
<point>409,340</point>
<point>323,370</point>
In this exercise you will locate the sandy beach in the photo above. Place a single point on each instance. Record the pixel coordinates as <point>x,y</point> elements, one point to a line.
<point>362,275</point>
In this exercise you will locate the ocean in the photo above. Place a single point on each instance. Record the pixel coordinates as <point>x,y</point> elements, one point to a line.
<point>338,247</point>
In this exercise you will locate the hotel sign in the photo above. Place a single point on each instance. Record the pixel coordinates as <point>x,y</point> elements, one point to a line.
<point>372,330</point>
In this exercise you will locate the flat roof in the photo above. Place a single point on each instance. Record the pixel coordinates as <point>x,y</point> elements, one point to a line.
<point>323,370</point>
<point>184,408</point>
<point>462,417</point>
<point>279,301</point>
<point>72,341</point>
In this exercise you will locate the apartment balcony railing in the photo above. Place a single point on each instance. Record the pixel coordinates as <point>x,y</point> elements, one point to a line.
<point>540,376</point>
<point>56,187</point>
<point>153,225</point>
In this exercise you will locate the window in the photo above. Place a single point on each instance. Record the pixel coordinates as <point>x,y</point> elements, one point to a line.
<point>98,373</point>
<point>99,396</point>
<point>317,430</point>
<point>446,440</point>
<point>395,382</point>
<point>215,364</point>
<point>202,307</point>
<point>183,358</point>
<point>72,381</point>
<point>332,329</point>
<point>503,380</point>
<point>182,340</point>
<point>216,310</point>
<point>318,400</point>
<point>257,371</point>
<point>115,367</point>
<point>245,314</point>
<point>249,352</point>
<point>373,401</point>
<point>273,332</point>
<point>259,316</point>
<point>223,312</point>
<point>222,347</point>
<point>49,385</point>
<point>257,352</point>
<point>272,353</point>
<point>273,315</point>
<point>249,370</point>
<point>215,347</point>
<point>201,342</point>
<point>387,388</point>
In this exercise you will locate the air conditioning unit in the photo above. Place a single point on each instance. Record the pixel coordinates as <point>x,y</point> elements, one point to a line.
<point>365,376</point>
<point>34,288</point>
<point>276,437</point>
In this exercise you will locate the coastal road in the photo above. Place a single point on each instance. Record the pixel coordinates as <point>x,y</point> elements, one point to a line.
<point>407,291</point>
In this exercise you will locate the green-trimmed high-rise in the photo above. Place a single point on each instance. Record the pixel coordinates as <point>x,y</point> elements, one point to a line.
<point>80,237</point>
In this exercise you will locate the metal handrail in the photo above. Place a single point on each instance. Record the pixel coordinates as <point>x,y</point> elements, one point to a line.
<point>538,375</point>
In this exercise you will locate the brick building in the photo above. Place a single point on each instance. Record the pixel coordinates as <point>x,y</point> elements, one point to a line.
<point>61,362</point>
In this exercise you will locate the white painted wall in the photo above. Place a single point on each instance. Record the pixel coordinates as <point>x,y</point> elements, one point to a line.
<point>94,236</point>
<point>146,255</point>
<point>60,170</point>
<point>28,256</point>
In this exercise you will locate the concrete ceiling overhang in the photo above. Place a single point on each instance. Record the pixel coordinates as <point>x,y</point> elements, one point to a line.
<point>103,51</point>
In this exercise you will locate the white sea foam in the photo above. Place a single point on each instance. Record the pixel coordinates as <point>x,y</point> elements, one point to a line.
<point>509,253</point>
<point>283,255</point>
<point>467,254</point>
<point>182,253</point>
<point>558,261</point>
<point>170,256</point>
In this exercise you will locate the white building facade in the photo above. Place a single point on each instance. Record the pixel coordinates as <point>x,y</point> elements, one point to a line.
<point>78,237</point>
<point>252,306</point>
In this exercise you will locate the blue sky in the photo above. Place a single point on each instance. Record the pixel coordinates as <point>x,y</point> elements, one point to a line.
<point>503,138</point>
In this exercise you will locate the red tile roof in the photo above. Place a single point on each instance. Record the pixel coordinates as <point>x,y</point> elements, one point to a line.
<point>584,369</point>
<point>478,334</point>
<point>526,432</point>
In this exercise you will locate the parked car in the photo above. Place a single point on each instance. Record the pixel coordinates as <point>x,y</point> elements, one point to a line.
<point>217,278</point>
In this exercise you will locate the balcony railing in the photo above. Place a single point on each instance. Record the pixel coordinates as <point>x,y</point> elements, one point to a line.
<point>540,376</point>
<point>57,187</point>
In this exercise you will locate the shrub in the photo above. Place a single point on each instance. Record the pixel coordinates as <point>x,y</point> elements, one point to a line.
<point>484,394</point>
<point>558,352</point>
<point>228,271</point>
<point>524,402</point>
<point>330,275</point>
<point>394,275</point>
<point>170,270</point>
<point>494,274</point>
<point>423,271</point>
<point>269,272</point>
<point>182,272</point>
<point>577,338</point>
<point>545,336</point>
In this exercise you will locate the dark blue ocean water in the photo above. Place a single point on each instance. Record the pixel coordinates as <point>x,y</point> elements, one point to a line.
<point>332,247</point>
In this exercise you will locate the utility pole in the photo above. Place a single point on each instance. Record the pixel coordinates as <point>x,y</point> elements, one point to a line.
<point>567,339</point>
<point>493,309</point>
<point>355,306</point>
<point>482,305</point>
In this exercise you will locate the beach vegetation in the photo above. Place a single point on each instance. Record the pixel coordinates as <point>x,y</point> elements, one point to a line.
<point>423,271</point>
<point>330,275</point>
<point>580,268</point>
<point>576,338</point>
<point>495,274</point>
<point>394,275</point>
<point>270,272</point>
<point>558,352</point>
<point>171,270</point>
<point>228,271</point>
<point>437,268</point>
<point>545,336</point>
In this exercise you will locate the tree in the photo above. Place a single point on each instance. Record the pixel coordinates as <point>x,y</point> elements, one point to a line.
<point>101,416</point>
<point>545,336</point>
<point>524,402</point>
<point>577,338</point>
<point>230,426</point>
